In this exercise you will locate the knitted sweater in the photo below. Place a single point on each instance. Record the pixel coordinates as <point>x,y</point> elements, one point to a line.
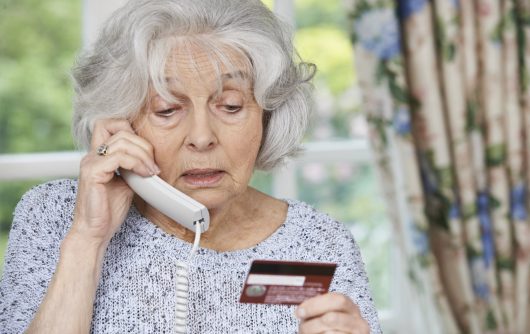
<point>136,292</point>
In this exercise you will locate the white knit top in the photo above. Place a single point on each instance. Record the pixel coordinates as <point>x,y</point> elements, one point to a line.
<point>136,293</point>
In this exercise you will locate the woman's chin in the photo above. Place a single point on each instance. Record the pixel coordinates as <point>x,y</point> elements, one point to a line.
<point>208,198</point>
<point>213,198</point>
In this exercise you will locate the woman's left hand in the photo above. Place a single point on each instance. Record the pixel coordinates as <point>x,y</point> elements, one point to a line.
<point>330,313</point>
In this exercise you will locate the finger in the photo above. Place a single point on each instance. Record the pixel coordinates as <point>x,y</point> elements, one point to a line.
<point>127,161</point>
<point>97,169</point>
<point>337,321</point>
<point>132,138</point>
<point>129,145</point>
<point>105,128</point>
<point>329,302</point>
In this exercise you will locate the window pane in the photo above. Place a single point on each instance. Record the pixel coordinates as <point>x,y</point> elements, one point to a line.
<point>37,47</point>
<point>38,43</point>
<point>262,181</point>
<point>268,3</point>
<point>349,193</point>
<point>322,38</point>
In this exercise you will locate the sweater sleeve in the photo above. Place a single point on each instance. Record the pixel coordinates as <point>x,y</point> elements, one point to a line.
<point>32,252</point>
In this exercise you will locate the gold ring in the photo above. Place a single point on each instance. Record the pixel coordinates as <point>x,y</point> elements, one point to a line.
<point>102,150</point>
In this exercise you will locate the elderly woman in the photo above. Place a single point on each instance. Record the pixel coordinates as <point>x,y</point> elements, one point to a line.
<point>200,93</point>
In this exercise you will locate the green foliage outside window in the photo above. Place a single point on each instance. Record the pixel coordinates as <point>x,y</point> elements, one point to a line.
<point>37,48</point>
<point>39,40</point>
<point>38,43</point>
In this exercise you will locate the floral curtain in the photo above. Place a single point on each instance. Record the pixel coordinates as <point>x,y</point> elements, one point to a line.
<point>446,91</point>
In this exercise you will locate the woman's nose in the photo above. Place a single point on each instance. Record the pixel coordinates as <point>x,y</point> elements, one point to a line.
<point>201,135</point>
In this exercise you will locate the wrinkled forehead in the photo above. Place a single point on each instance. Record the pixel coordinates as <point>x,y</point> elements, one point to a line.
<point>198,60</point>
<point>204,62</point>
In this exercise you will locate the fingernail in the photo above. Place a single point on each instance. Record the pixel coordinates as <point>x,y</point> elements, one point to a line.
<point>156,169</point>
<point>151,170</point>
<point>300,313</point>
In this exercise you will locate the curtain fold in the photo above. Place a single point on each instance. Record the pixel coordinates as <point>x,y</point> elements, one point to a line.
<point>445,88</point>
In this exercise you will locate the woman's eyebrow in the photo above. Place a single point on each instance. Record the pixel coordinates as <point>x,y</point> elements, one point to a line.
<point>172,79</point>
<point>237,74</point>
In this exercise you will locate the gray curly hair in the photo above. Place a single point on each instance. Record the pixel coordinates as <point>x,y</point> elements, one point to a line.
<point>113,77</point>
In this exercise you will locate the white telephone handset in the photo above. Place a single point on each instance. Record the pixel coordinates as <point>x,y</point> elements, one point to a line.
<point>168,200</point>
<point>185,211</point>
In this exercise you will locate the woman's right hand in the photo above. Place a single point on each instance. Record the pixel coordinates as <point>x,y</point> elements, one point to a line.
<point>103,198</point>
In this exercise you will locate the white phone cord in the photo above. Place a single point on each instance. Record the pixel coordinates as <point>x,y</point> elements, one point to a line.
<point>182,284</point>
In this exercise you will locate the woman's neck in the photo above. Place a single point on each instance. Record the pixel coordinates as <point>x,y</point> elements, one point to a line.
<point>241,223</point>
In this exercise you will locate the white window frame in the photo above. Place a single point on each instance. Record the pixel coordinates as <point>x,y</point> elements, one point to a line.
<point>51,165</point>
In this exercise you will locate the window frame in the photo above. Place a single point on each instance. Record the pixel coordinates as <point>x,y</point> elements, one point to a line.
<point>284,182</point>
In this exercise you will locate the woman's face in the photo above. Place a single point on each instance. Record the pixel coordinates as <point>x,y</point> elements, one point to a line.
<point>205,144</point>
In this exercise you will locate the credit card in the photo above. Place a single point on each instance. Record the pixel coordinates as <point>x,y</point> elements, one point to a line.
<point>286,282</point>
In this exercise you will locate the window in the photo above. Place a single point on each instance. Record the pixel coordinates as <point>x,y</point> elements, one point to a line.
<point>335,173</point>
<point>341,185</point>
<point>37,47</point>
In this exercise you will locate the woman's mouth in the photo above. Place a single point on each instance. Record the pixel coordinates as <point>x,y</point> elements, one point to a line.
<point>203,177</point>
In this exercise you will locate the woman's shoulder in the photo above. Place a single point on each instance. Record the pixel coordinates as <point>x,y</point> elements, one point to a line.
<point>56,193</point>
<point>54,185</point>
<point>52,201</point>
<point>312,219</point>
<point>318,230</point>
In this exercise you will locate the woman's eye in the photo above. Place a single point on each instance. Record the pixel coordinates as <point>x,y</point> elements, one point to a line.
<point>166,112</point>
<point>230,108</point>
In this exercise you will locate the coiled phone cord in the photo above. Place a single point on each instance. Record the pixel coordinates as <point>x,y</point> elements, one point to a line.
<point>181,315</point>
